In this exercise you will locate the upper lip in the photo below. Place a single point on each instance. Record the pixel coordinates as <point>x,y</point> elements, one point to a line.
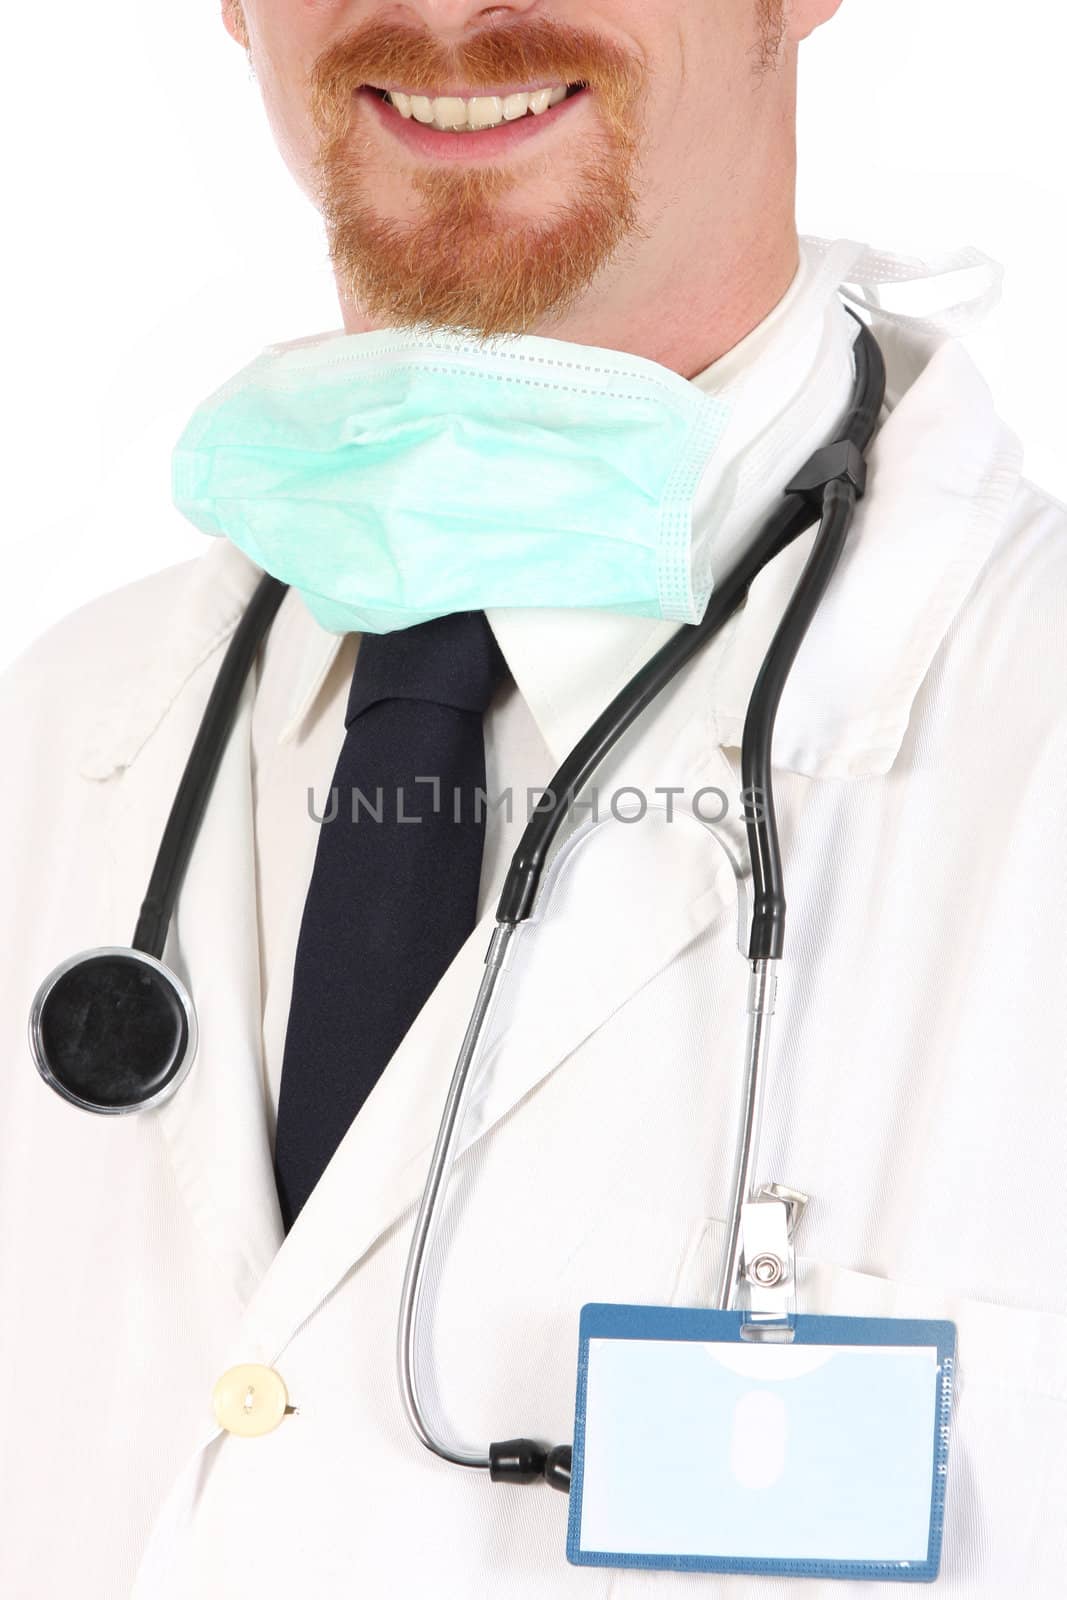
<point>470,93</point>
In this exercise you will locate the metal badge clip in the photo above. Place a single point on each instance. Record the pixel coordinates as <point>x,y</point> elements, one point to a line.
<point>768,1262</point>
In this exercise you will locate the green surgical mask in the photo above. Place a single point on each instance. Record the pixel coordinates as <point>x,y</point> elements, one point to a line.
<point>397,476</point>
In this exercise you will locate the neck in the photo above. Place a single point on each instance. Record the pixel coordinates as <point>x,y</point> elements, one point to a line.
<point>685,307</point>
<point>690,311</point>
<point>685,316</point>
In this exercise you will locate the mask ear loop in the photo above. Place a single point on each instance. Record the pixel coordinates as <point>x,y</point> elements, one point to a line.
<point>849,262</point>
<point>876,268</point>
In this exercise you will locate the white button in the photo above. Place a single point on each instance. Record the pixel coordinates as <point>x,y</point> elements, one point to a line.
<point>250,1400</point>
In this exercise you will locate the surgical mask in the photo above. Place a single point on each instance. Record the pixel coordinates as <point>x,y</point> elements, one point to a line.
<point>396,476</point>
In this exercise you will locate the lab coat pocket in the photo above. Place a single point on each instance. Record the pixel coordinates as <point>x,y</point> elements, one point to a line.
<point>1007,1476</point>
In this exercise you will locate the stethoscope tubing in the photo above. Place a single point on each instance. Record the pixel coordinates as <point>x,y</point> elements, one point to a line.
<point>827,489</point>
<point>201,768</point>
<point>441,1163</point>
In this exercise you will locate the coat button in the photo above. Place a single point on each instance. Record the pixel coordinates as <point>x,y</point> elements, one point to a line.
<point>250,1400</point>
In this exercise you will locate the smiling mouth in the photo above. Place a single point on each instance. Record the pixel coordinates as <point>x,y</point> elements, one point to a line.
<point>453,113</point>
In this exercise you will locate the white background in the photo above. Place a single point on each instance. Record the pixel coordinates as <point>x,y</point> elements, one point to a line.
<point>163,243</point>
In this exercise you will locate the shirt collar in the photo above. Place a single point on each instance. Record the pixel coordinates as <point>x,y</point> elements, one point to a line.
<point>943,469</point>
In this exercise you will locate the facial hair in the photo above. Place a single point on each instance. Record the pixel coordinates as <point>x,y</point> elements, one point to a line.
<point>463,260</point>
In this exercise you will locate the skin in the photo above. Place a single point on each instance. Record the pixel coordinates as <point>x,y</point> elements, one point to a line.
<point>658,218</point>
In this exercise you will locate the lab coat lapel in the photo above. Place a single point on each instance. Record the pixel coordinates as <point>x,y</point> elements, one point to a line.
<point>573,969</point>
<point>214,1128</point>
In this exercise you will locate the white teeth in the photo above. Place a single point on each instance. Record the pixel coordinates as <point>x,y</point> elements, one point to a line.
<point>450,112</point>
<point>454,114</point>
<point>485,111</point>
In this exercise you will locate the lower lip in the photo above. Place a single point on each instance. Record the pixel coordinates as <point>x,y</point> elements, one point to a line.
<point>487,144</point>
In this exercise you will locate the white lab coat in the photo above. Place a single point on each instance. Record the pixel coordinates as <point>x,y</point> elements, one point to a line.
<point>917,1089</point>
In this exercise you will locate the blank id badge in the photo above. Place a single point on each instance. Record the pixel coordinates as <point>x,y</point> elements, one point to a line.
<point>698,1450</point>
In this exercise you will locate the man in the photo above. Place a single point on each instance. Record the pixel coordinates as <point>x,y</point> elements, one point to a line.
<point>258,1220</point>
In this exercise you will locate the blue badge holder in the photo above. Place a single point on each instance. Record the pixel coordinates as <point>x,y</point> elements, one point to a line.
<point>698,1448</point>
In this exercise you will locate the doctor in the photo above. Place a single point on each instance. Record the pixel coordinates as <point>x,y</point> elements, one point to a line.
<point>261,1215</point>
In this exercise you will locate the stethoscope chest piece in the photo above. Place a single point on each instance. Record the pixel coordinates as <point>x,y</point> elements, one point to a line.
<point>113,1030</point>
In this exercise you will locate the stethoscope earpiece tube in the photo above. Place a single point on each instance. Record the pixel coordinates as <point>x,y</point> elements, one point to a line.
<point>768,892</point>
<point>836,478</point>
<point>869,395</point>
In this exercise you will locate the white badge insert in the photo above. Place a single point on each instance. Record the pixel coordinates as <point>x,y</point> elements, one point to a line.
<point>700,1448</point>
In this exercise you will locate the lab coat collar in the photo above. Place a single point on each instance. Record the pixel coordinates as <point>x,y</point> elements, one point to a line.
<point>208,598</point>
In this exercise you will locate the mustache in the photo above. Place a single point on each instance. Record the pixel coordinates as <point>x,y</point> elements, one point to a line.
<point>414,59</point>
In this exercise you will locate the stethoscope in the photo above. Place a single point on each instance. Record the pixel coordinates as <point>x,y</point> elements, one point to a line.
<point>113,1030</point>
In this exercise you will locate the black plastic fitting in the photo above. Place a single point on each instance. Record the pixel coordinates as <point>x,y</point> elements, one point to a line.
<point>516,1461</point>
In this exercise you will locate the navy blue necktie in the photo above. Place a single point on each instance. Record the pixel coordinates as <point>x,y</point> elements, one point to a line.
<point>391,900</point>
